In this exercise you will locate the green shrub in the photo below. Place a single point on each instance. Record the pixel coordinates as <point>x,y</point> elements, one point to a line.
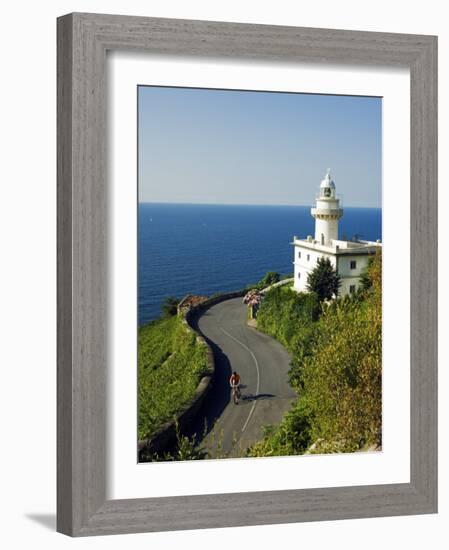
<point>270,278</point>
<point>170,306</point>
<point>284,314</point>
<point>291,437</point>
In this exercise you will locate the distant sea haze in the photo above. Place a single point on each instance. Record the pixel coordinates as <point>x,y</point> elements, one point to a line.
<point>205,249</point>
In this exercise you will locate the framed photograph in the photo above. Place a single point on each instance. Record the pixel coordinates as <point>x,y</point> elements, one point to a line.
<point>247,274</point>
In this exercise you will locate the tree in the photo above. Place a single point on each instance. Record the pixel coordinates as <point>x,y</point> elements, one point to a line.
<point>270,278</point>
<point>324,281</point>
<point>170,306</point>
<point>365,279</point>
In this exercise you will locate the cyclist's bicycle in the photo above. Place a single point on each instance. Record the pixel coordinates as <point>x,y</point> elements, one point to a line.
<point>235,394</point>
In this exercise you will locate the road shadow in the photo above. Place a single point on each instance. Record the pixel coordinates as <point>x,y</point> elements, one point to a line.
<point>218,397</point>
<point>258,397</point>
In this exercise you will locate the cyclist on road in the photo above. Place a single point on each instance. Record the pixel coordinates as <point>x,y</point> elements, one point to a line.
<point>234,382</point>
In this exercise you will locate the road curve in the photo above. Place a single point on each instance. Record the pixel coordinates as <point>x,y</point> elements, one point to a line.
<point>263,365</point>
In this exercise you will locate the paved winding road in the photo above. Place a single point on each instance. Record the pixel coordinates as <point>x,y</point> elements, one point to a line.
<point>263,365</point>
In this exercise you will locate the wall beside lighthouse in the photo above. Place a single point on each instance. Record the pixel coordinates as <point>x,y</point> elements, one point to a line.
<point>349,266</point>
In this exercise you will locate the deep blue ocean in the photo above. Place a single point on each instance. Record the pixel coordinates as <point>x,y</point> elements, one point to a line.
<point>204,249</point>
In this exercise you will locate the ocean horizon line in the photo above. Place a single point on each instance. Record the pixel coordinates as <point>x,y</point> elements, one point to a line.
<point>245,204</point>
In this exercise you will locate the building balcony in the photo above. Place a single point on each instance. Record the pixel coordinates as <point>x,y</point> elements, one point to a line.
<point>327,213</point>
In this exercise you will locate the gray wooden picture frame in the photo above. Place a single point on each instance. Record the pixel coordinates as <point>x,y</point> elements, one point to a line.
<point>83,40</point>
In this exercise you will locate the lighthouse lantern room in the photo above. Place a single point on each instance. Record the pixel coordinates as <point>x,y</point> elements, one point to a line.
<point>327,212</point>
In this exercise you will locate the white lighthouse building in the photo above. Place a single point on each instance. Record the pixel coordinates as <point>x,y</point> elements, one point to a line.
<point>349,258</point>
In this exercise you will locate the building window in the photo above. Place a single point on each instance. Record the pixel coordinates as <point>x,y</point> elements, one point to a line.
<point>299,254</point>
<point>299,275</point>
<point>308,257</point>
<point>353,264</point>
<point>351,289</point>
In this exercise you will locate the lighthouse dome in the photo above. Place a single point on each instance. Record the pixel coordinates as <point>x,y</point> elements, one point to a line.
<point>327,181</point>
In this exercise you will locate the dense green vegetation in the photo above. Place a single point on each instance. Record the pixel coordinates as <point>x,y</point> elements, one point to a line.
<point>336,369</point>
<point>287,315</point>
<point>171,362</point>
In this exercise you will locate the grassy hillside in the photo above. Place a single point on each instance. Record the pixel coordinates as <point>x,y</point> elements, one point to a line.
<point>171,362</point>
<point>336,369</point>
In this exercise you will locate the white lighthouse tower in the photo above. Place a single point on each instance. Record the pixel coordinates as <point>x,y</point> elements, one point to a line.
<point>327,212</point>
<point>349,258</point>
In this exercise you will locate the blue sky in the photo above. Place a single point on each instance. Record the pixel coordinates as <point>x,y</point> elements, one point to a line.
<point>238,147</point>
